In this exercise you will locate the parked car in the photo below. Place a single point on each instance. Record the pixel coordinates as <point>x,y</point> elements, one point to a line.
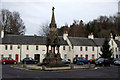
<point>114,59</point>
<point>29,61</point>
<point>117,62</point>
<point>66,61</point>
<point>8,60</point>
<point>92,61</point>
<point>80,60</point>
<point>102,61</point>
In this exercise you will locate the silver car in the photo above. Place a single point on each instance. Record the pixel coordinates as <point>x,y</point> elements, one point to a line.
<point>117,62</point>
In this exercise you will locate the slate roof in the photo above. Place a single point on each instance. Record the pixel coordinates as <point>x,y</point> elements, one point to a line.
<point>80,41</point>
<point>62,41</point>
<point>99,41</point>
<point>118,43</point>
<point>31,40</point>
<point>41,40</point>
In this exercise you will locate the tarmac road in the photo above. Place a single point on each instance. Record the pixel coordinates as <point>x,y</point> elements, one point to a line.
<point>106,72</point>
<point>0,71</point>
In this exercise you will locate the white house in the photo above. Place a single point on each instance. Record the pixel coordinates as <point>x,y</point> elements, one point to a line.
<point>115,46</point>
<point>19,47</point>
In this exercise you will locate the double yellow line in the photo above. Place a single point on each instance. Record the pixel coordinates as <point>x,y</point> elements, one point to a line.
<point>21,68</point>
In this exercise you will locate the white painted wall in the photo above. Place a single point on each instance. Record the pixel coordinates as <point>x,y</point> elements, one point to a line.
<point>42,51</point>
<point>8,52</point>
<point>89,52</point>
<point>114,48</point>
<point>23,51</point>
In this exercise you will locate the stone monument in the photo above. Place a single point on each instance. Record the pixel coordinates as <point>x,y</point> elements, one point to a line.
<point>53,41</point>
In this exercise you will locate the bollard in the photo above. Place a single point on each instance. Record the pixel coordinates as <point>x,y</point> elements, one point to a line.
<point>43,67</point>
<point>71,66</point>
<point>24,65</point>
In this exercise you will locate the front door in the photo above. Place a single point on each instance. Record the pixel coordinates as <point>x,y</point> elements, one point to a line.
<point>37,57</point>
<point>16,57</point>
<point>86,56</point>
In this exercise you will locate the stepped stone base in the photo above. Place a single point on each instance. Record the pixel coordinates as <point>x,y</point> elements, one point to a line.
<point>53,62</point>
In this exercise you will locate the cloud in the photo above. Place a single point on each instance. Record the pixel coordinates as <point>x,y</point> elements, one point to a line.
<point>24,0</point>
<point>36,13</point>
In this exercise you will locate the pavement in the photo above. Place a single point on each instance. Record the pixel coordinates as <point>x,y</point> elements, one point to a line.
<point>0,71</point>
<point>43,68</point>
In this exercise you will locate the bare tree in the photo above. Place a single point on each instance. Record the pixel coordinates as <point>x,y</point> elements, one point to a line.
<point>44,29</point>
<point>12,22</point>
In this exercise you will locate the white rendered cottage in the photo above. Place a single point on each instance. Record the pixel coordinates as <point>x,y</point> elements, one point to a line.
<point>19,47</point>
<point>115,46</point>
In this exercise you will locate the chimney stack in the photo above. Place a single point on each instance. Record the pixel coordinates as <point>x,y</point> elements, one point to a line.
<point>65,34</point>
<point>111,36</point>
<point>117,37</point>
<point>91,36</point>
<point>2,33</point>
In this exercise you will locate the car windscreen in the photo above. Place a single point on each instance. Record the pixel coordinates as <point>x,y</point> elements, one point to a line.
<point>30,59</point>
<point>10,59</point>
<point>101,59</point>
<point>118,59</point>
<point>81,58</point>
<point>26,59</point>
<point>6,58</point>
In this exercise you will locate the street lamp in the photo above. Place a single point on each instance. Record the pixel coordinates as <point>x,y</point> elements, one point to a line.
<point>20,47</point>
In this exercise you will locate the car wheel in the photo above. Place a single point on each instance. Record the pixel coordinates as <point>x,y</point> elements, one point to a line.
<point>88,62</point>
<point>3,62</point>
<point>15,62</point>
<point>102,65</point>
<point>35,62</point>
<point>24,62</point>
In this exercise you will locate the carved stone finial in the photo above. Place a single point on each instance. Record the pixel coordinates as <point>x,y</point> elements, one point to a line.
<point>53,8</point>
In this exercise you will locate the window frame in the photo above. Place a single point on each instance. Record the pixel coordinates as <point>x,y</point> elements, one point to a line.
<point>93,49</point>
<point>81,55</point>
<point>6,47</point>
<point>10,55</point>
<point>86,48</point>
<point>11,47</point>
<point>93,56</point>
<point>63,47</point>
<point>27,47</point>
<point>65,56</point>
<point>37,47</point>
<point>2,56</point>
<point>81,48</point>
<point>27,55</point>
<point>18,46</point>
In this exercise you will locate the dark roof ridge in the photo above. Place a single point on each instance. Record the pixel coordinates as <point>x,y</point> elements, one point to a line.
<point>79,37</point>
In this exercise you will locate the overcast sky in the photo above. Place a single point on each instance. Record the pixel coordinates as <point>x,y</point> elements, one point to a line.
<point>38,12</point>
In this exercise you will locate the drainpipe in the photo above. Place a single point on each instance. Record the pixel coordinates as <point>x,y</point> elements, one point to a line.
<point>20,52</point>
<point>97,51</point>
